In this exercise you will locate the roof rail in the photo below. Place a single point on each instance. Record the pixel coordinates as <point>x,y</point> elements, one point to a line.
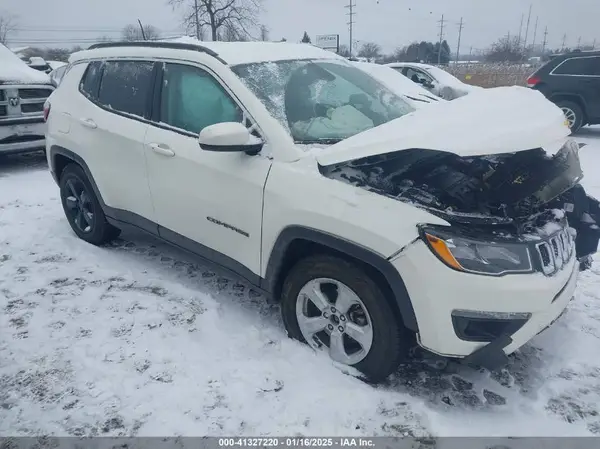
<point>159,44</point>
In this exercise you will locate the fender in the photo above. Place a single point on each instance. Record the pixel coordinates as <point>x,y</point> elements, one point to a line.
<point>568,95</point>
<point>378,262</point>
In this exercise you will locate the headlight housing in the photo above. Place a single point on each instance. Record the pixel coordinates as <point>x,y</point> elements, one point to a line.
<point>477,256</point>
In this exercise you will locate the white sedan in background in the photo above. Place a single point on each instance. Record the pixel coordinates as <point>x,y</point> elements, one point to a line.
<point>434,79</point>
<point>414,94</point>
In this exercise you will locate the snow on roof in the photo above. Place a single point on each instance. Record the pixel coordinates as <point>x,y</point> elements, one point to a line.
<point>235,53</point>
<point>14,70</point>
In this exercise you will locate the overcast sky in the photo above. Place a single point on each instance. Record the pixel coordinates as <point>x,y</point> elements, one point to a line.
<point>391,23</point>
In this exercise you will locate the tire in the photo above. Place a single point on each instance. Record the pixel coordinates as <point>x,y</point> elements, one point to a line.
<point>573,113</point>
<point>88,221</point>
<point>390,341</point>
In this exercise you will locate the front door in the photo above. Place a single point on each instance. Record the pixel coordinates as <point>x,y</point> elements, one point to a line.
<point>213,199</point>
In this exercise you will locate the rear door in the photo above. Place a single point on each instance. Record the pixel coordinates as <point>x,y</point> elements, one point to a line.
<point>581,76</point>
<point>109,125</point>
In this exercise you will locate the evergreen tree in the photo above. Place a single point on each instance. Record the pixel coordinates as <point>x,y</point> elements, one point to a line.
<point>305,38</point>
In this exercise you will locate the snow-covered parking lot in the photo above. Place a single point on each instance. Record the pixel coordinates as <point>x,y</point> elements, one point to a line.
<point>139,339</point>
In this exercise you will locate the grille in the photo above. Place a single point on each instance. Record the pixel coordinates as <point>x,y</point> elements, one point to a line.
<point>32,107</point>
<point>556,252</point>
<point>30,94</point>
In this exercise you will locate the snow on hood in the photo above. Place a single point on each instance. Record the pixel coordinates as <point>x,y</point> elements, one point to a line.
<point>399,84</point>
<point>13,70</point>
<point>488,121</point>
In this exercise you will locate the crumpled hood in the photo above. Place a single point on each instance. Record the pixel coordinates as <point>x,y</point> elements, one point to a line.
<point>487,121</point>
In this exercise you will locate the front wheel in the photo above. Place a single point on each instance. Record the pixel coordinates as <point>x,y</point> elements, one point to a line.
<point>333,305</point>
<point>573,114</point>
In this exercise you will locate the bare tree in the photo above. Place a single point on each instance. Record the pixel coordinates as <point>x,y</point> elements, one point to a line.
<point>8,23</point>
<point>231,33</point>
<point>217,14</point>
<point>506,49</point>
<point>264,33</point>
<point>369,50</point>
<point>134,33</point>
<point>344,51</point>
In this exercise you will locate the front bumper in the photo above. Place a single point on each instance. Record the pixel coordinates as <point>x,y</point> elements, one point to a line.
<point>438,293</point>
<point>22,135</point>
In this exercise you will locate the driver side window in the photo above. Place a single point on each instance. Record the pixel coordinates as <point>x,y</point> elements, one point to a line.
<point>418,76</point>
<point>192,99</point>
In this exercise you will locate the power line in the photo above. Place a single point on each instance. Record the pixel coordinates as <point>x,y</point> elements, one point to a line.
<point>351,7</point>
<point>441,22</point>
<point>460,28</point>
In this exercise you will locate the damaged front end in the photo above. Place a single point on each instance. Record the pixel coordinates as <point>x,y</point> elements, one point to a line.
<point>524,195</point>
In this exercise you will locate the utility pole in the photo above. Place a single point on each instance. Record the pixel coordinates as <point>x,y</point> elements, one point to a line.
<point>527,28</point>
<point>351,13</point>
<point>520,30</point>
<point>197,20</point>
<point>579,42</point>
<point>564,41</point>
<point>594,45</point>
<point>535,33</point>
<point>545,40</point>
<point>441,22</point>
<point>470,53</point>
<point>460,27</point>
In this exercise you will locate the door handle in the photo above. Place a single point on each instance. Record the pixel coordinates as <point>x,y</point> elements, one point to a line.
<point>162,149</point>
<point>88,123</point>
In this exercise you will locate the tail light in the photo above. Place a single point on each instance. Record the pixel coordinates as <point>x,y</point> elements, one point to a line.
<point>532,81</point>
<point>46,110</point>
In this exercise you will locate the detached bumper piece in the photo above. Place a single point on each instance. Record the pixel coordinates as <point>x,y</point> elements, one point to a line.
<point>495,329</point>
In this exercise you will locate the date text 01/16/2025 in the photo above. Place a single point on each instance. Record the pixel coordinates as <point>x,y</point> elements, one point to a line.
<point>295,442</point>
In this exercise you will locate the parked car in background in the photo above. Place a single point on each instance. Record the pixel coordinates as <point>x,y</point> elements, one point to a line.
<point>23,92</point>
<point>434,79</point>
<point>414,94</point>
<point>572,82</point>
<point>57,73</point>
<point>374,224</point>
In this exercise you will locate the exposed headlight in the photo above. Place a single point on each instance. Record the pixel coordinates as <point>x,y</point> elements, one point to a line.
<point>473,256</point>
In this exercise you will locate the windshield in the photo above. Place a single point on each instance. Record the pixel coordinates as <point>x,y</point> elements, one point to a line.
<point>322,101</point>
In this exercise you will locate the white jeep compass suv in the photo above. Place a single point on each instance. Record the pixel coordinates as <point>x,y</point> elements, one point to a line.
<point>289,166</point>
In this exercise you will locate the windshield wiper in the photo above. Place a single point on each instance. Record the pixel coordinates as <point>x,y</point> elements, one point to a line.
<point>319,141</point>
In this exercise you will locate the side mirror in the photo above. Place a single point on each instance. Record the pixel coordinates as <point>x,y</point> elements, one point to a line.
<point>229,137</point>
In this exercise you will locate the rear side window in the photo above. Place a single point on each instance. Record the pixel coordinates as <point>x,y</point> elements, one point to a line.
<point>91,80</point>
<point>589,66</point>
<point>126,86</point>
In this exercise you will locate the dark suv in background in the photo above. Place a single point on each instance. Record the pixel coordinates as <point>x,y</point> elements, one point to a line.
<point>572,82</point>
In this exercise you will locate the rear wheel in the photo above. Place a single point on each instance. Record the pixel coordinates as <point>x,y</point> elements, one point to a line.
<point>82,208</point>
<point>573,114</point>
<point>333,305</point>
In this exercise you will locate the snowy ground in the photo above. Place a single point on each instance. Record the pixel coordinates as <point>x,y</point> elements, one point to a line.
<point>138,339</point>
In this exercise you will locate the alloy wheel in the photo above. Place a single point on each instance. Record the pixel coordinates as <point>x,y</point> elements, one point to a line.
<point>569,115</point>
<point>79,206</point>
<point>330,315</point>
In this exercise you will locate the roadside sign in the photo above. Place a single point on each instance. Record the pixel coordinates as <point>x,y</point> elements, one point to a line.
<point>328,42</point>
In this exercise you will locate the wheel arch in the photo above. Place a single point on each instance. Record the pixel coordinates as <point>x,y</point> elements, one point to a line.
<point>575,98</point>
<point>297,242</point>
<point>60,157</point>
